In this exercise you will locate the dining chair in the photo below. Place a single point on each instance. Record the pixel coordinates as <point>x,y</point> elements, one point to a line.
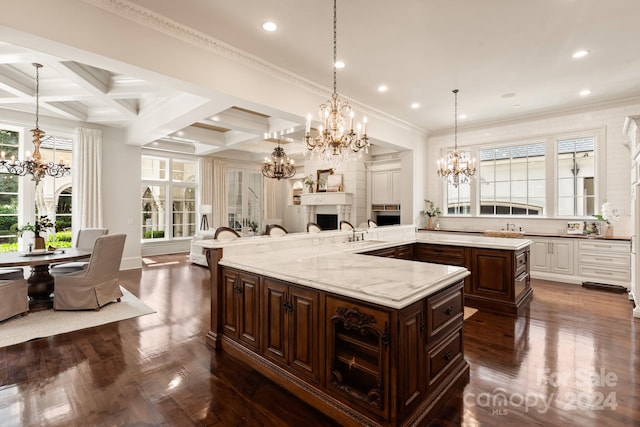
<point>13,294</point>
<point>97,284</point>
<point>275,230</point>
<point>313,228</point>
<point>225,234</point>
<point>10,273</point>
<point>371,223</point>
<point>346,226</point>
<point>85,240</point>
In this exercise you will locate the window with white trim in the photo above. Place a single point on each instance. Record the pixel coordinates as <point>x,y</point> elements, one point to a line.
<point>576,176</point>
<point>168,197</point>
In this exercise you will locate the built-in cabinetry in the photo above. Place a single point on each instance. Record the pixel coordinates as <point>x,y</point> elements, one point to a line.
<point>579,259</point>
<point>552,255</point>
<point>361,363</point>
<point>386,187</point>
<point>499,279</point>
<point>605,261</point>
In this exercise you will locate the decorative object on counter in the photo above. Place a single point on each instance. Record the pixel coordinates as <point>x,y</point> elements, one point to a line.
<point>335,141</point>
<point>309,182</point>
<point>34,164</point>
<point>456,168</point>
<point>609,215</point>
<point>430,211</point>
<point>575,227</point>
<point>280,166</point>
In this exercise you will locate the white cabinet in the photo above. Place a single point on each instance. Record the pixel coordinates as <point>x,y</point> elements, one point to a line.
<point>552,255</point>
<point>605,261</point>
<point>386,187</point>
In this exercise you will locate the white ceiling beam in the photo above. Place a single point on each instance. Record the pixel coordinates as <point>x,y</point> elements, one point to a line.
<point>67,110</point>
<point>15,82</point>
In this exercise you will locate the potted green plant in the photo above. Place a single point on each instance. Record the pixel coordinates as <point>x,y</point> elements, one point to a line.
<point>430,211</point>
<point>309,182</point>
<point>39,226</point>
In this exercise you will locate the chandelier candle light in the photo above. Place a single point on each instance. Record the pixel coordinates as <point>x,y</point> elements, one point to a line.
<point>280,166</point>
<point>334,143</point>
<point>34,164</point>
<point>456,168</point>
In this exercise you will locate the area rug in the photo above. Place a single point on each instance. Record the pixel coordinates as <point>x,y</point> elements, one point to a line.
<point>469,311</point>
<point>46,323</point>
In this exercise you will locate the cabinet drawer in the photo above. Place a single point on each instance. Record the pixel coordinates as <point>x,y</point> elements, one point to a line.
<point>440,254</point>
<point>602,245</point>
<point>605,260</point>
<point>405,252</point>
<point>521,262</point>
<point>605,274</point>
<point>444,310</point>
<point>443,356</point>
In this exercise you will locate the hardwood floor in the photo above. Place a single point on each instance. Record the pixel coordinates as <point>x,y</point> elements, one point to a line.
<point>572,360</point>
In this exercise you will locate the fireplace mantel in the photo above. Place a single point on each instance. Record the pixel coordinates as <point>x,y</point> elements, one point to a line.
<point>341,201</point>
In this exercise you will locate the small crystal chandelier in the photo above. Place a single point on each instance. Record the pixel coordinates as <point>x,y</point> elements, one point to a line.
<point>34,164</point>
<point>280,166</point>
<point>457,169</point>
<point>334,143</point>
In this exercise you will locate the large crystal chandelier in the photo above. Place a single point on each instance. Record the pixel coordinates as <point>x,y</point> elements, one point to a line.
<point>456,168</point>
<point>34,165</point>
<point>280,166</point>
<point>334,142</point>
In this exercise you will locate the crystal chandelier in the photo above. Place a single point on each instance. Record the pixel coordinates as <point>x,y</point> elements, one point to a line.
<point>456,168</point>
<point>334,142</point>
<point>280,166</point>
<point>34,165</point>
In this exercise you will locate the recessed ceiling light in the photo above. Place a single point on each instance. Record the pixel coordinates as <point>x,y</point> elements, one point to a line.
<point>580,54</point>
<point>382,88</point>
<point>269,26</point>
<point>415,105</point>
<point>180,133</point>
<point>339,64</point>
<point>215,118</point>
<point>462,116</point>
<point>516,106</point>
<point>585,92</point>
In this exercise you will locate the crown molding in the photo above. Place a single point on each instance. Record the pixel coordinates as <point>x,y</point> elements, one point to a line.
<point>171,28</point>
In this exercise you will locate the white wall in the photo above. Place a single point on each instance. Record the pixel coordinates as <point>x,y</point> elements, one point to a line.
<point>616,188</point>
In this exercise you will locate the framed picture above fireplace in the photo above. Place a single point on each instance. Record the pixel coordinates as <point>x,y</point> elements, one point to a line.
<point>323,178</point>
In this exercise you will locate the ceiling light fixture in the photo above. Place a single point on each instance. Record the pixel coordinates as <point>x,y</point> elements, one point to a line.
<point>415,105</point>
<point>382,88</point>
<point>34,165</point>
<point>585,92</point>
<point>580,54</point>
<point>457,169</point>
<point>269,26</point>
<point>280,166</point>
<point>334,143</point>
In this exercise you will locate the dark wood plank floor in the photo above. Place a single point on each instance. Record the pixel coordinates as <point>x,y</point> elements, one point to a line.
<point>572,360</point>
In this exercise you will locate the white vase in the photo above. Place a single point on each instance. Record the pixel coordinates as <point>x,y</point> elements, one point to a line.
<point>27,237</point>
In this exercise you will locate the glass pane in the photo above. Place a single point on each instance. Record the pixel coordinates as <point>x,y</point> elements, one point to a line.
<point>519,189</point>
<point>536,189</point>
<point>566,206</point>
<point>154,168</point>
<point>234,199</point>
<point>153,211</point>
<point>487,192</point>
<point>487,172</point>
<point>503,192</point>
<point>519,169</point>
<point>566,187</point>
<point>184,171</point>
<point>536,168</point>
<point>184,215</point>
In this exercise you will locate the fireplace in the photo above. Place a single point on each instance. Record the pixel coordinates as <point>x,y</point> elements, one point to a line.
<point>387,218</point>
<point>327,221</point>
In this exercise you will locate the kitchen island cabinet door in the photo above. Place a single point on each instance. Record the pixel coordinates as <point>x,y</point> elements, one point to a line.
<point>291,318</point>
<point>240,308</point>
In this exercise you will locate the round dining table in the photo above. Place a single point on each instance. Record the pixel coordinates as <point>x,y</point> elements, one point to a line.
<point>40,282</point>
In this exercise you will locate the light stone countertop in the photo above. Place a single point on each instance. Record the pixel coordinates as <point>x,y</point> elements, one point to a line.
<point>326,261</point>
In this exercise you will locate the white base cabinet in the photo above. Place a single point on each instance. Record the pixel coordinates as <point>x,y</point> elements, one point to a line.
<point>577,260</point>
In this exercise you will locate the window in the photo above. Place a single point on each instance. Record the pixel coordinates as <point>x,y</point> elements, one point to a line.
<point>9,143</point>
<point>576,176</point>
<point>168,198</point>
<point>512,180</point>
<point>244,199</point>
<point>63,210</point>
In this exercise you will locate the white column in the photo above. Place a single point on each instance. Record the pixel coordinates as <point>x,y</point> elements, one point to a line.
<point>309,213</point>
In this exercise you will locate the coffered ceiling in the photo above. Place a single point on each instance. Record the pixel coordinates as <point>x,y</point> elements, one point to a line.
<point>509,58</point>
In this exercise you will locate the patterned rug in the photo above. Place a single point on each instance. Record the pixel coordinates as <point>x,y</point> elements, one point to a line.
<point>46,323</point>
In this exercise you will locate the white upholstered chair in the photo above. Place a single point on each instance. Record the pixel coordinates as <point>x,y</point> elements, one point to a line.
<point>226,234</point>
<point>275,230</point>
<point>13,298</point>
<point>85,240</point>
<point>97,284</point>
<point>346,226</point>
<point>312,228</point>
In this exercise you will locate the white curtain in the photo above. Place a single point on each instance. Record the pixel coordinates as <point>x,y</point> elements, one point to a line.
<point>219,199</point>
<point>87,179</point>
<point>270,211</point>
<point>205,185</point>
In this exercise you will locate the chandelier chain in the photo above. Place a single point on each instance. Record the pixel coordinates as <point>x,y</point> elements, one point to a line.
<point>335,46</point>
<point>455,121</point>
<point>38,66</point>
